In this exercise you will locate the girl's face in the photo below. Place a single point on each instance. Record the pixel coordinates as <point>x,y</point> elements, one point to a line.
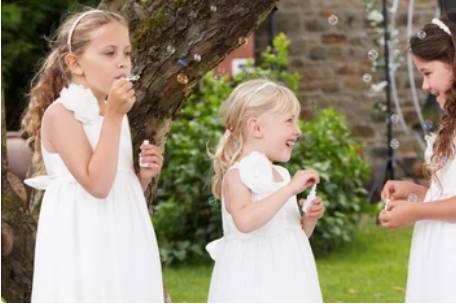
<point>437,77</point>
<point>280,132</point>
<point>107,57</point>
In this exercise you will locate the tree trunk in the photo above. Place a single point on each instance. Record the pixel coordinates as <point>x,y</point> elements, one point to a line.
<point>18,232</point>
<point>175,43</point>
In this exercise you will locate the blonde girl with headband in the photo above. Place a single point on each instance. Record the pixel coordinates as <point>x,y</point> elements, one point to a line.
<point>95,241</point>
<point>265,255</point>
<point>432,262</point>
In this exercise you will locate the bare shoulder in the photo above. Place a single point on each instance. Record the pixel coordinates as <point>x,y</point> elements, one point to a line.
<point>231,177</point>
<point>57,115</point>
<point>232,181</point>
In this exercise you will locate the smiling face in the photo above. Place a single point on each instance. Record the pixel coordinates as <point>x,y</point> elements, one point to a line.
<point>279,133</point>
<point>437,77</point>
<point>106,58</point>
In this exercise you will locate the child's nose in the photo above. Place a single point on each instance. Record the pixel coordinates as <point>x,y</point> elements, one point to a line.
<point>425,85</point>
<point>298,131</point>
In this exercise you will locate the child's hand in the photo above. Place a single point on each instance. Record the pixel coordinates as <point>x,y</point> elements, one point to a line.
<point>151,161</point>
<point>396,190</point>
<point>315,211</point>
<point>303,179</point>
<point>121,97</point>
<point>398,214</point>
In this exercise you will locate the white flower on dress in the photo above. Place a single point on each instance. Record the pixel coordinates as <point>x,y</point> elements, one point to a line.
<point>255,171</point>
<point>430,139</point>
<point>81,101</point>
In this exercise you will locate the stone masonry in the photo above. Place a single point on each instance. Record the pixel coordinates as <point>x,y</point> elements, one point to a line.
<point>332,61</point>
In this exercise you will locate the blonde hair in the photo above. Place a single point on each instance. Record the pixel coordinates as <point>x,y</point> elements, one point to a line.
<point>251,98</point>
<point>54,75</point>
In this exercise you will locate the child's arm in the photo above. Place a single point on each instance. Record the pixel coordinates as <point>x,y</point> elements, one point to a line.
<point>398,190</point>
<point>94,169</point>
<point>437,210</point>
<point>249,216</point>
<point>404,213</point>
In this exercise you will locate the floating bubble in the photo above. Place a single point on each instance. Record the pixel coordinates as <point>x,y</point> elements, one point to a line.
<point>427,125</point>
<point>212,201</point>
<point>192,14</point>
<point>421,34</point>
<point>372,54</point>
<point>182,78</point>
<point>333,20</point>
<point>412,197</point>
<point>197,57</point>
<point>396,53</point>
<point>395,118</point>
<point>242,40</point>
<point>170,49</point>
<point>394,143</point>
<point>367,77</point>
<point>182,61</point>
<point>213,8</point>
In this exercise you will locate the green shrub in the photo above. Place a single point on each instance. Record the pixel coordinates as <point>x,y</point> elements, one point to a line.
<point>327,147</point>
<point>187,216</point>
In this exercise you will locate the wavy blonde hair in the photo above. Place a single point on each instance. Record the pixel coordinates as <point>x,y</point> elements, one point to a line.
<point>54,75</point>
<point>249,99</point>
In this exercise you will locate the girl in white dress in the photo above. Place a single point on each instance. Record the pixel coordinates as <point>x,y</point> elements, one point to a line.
<point>265,255</point>
<point>95,241</point>
<point>432,264</point>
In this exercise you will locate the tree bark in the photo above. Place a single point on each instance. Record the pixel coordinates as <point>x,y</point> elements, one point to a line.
<point>18,232</point>
<point>169,38</point>
<point>175,43</point>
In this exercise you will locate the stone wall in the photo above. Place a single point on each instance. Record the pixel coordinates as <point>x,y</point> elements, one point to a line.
<point>332,60</point>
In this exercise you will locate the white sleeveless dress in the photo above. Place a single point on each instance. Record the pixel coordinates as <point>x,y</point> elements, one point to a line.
<point>89,249</point>
<point>272,264</point>
<point>432,264</point>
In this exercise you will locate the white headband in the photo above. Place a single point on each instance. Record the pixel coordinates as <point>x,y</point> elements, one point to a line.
<point>441,25</point>
<point>73,27</point>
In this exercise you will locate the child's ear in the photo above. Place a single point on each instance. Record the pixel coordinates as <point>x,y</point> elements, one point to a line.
<point>71,61</point>
<point>254,127</point>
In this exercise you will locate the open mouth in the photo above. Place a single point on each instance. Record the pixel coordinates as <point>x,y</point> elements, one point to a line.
<point>290,143</point>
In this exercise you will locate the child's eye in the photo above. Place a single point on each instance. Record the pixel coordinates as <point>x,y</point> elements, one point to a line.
<point>109,53</point>
<point>128,54</point>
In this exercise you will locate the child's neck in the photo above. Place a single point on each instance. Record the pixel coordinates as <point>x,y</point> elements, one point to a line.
<point>250,147</point>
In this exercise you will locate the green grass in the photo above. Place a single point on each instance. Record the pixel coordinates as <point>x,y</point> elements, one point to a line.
<point>373,268</point>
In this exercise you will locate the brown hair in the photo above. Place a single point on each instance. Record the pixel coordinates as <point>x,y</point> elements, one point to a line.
<point>54,75</point>
<point>250,98</point>
<point>436,44</point>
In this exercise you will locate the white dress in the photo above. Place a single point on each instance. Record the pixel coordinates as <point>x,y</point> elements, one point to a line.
<point>275,262</point>
<point>432,264</point>
<point>89,249</point>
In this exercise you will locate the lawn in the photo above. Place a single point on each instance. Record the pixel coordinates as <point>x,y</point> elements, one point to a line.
<point>370,269</point>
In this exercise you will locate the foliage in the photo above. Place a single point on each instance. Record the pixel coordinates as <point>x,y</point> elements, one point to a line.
<point>187,215</point>
<point>25,26</point>
<point>327,147</point>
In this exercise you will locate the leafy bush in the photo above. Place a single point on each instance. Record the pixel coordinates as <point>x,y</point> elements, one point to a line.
<point>187,216</point>
<point>326,146</point>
